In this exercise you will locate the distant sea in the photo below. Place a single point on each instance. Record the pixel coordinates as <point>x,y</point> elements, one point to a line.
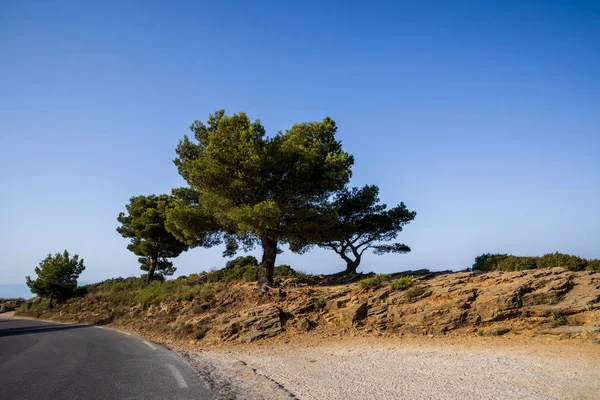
<point>15,290</point>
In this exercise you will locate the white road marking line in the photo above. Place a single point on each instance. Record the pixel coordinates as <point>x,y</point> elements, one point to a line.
<point>101,327</point>
<point>150,345</point>
<point>177,375</point>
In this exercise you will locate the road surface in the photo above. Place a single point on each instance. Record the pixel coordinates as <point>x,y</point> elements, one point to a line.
<point>42,360</point>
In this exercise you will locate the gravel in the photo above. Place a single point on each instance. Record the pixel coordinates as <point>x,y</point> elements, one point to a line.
<point>346,370</point>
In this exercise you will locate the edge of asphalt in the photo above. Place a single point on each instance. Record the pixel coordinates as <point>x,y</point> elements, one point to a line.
<point>220,379</point>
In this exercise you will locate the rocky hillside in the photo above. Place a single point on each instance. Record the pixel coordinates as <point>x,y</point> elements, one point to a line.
<point>531,302</point>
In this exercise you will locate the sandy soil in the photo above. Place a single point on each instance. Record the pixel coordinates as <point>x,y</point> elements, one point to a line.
<point>438,368</point>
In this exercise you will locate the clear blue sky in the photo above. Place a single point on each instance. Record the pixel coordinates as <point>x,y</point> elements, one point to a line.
<point>484,117</point>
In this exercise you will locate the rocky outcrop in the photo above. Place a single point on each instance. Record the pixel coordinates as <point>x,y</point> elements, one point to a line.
<point>253,324</point>
<point>488,303</point>
<point>436,304</point>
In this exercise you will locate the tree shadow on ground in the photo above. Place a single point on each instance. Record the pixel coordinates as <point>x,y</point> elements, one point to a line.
<point>26,330</point>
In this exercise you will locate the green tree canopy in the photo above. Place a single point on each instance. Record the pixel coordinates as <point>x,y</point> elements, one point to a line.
<point>260,189</point>
<point>363,223</point>
<point>144,225</point>
<point>56,276</point>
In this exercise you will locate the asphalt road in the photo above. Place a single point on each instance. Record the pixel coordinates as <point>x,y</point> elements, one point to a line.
<point>42,360</point>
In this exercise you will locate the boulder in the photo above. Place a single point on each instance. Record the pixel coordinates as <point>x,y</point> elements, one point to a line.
<point>352,314</point>
<point>337,303</point>
<point>306,325</point>
<point>497,331</point>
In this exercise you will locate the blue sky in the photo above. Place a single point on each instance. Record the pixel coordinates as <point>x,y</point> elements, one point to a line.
<point>482,116</point>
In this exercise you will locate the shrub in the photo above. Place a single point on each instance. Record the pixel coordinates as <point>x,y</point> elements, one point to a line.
<point>414,292</point>
<point>504,262</point>
<point>187,296</point>
<point>514,263</point>
<point>157,277</point>
<point>244,269</point>
<point>283,270</point>
<point>239,269</point>
<point>241,262</point>
<point>250,274</point>
<point>200,332</point>
<point>154,293</point>
<point>375,281</point>
<point>403,283</point>
<point>572,263</point>
<point>559,318</point>
<point>593,265</point>
<point>319,304</point>
<point>488,262</point>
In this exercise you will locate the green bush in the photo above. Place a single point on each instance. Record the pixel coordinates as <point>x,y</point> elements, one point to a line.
<point>375,281</point>
<point>514,263</point>
<point>559,319</point>
<point>403,283</point>
<point>593,265</point>
<point>201,332</point>
<point>154,293</point>
<point>572,263</point>
<point>241,262</point>
<point>504,262</point>
<point>488,262</point>
<point>370,283</point>
<point>244,269</point>
<point>283,270</point>
<point>319,304</point>
<point>414,292</point>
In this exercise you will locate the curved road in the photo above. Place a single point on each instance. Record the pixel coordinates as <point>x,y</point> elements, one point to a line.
<point>43,360</point>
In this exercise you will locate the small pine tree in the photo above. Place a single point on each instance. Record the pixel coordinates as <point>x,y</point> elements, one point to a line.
<point>56,276</point>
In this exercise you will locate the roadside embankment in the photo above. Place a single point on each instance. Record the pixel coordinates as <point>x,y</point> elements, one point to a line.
<point>488,335</point>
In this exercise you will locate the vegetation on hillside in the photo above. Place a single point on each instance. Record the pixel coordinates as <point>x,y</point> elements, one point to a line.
<point>10,304</point>
<point>505,262</point>
<point>56,277</point>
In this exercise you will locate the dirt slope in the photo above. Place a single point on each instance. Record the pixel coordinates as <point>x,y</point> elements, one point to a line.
<point>532,302</point>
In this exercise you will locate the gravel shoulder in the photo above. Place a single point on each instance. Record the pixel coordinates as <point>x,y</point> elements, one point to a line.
<point>365,368</point>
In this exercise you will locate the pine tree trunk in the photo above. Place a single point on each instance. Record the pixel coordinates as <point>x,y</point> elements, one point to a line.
<point>151,269</point>
<point>352,265</point>
<point>267,267</point>
<point>51,298</point>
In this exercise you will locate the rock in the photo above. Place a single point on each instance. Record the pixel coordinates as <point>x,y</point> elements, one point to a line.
<point>497,331</point>
<point>302,307</point>
<point>352,314</point>
<point>571,332</point>
<point>253,324</point>
<point>337,303</point>
<point>306,325</point>
<point>547,291</point>
<point>378,316</point>
<point>500,302</point>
